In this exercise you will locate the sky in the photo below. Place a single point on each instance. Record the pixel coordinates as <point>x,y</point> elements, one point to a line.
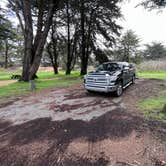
<point>148,25</point>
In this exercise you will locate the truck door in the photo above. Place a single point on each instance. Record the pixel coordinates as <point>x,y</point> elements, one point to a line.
<point>126,74</point>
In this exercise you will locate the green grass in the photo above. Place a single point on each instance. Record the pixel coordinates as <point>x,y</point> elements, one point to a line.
<point>42,75</point>
<point>152,107</point>
<point>46,80</point>
<point>152,74</point>
<point>5,76</point>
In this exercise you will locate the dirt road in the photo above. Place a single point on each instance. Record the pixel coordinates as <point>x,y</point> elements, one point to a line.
<point>70,127</point>
<point>7,82</point>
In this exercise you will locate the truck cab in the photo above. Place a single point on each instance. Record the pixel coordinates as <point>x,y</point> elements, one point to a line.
<point>110,77</point>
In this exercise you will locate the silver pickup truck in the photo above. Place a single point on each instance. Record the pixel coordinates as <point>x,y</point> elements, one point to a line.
<point>110,77</point>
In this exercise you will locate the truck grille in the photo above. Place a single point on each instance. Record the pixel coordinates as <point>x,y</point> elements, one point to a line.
<point>96,79</point>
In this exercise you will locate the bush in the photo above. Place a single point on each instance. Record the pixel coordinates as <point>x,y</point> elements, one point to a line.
<point>152,65</point>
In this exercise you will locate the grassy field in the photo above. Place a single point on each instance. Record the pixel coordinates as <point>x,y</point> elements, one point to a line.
<point>152,74</point>
<point>46,80</point>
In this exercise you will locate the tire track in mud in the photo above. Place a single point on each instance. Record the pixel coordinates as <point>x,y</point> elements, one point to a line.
<point>114,129</point>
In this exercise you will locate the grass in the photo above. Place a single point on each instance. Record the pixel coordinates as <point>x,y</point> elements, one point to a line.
<point>46,80</point>
<point>42,75</point>
<point>152,107</point>
<point>152,74</point>
<point>5,76</point>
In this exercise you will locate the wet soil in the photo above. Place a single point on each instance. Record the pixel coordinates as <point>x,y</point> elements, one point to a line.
<point>70,127</point>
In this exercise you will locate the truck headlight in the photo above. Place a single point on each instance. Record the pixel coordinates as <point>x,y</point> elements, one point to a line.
<point>111,79</point>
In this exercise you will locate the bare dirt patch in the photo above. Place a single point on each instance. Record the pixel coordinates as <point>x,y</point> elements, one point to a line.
<point>70,127</point>
<point>7,82</point>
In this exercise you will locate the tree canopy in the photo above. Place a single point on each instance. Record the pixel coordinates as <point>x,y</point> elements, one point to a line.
<point>154,50</point>
<point>128,45</point>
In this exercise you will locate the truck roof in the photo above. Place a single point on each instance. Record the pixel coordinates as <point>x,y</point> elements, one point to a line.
<point>121,63</point>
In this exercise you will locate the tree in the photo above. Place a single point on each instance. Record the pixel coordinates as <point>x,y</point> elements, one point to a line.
<point>97,18</point>
<point>70,17</point>
<point>7,36</point>
<point>153,4</point>
<point>52,48</point>
<point>101,57</point>
<point>154,51</point>
<point>79,23</point>
<point>28,11</point>
<point>128,46</point>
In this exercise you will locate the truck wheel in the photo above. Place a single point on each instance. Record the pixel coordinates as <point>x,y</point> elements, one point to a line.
<point>133,80</point>
<point>89,91</point>
<point>119,89</point>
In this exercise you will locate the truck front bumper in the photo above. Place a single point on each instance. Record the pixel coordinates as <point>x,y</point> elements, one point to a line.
<point>99,88</point>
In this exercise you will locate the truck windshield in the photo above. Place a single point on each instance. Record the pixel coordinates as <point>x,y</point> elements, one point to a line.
<point>109,67</point>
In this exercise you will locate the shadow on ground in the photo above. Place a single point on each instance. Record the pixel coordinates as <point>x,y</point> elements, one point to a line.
<point>114,125</point>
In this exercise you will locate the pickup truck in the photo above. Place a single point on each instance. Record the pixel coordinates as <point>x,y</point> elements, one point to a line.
<point>110,77</point>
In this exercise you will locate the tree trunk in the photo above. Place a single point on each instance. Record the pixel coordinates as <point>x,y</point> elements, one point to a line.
<point>68,65</point>
<point>55,69</point>
<point>33,51</point>
<point>53,56</point>
<point>88,40</point>
<point>74,48</point>
<point>40,44</point>
<point>83,42</point>
<point>28,39</point>
<point>6,54</point>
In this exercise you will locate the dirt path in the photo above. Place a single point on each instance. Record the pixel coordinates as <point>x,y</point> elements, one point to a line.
<point>7,82</point>
<point>70,127</point>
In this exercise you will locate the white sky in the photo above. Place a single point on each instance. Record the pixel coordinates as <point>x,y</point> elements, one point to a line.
<point>148,25</point>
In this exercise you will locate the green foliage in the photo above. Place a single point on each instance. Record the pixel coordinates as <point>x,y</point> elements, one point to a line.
<point>127,47</point>
<point>6,30</point>
<point>154,51</point>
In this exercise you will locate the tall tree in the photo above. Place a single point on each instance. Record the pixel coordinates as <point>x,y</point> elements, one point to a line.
<point>52,47</point>
<point>98,17</point>
<point>79,23</point>
<point>33,42</point>
<point>127,46</point>
<point>154,50</point>
<point>7,35</point>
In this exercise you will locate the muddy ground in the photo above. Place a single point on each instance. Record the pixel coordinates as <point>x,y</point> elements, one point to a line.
<point>70,127</point>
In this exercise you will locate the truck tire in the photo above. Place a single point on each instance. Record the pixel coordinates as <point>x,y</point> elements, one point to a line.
<point>119,90</point>
<point>89,91</point>
<point>133,80</point>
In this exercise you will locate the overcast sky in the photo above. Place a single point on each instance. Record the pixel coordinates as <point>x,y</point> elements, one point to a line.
<point>148,25</point>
